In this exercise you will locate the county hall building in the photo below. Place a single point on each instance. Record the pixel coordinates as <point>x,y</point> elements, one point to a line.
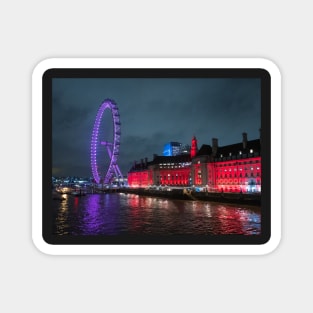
<point>231,168</point>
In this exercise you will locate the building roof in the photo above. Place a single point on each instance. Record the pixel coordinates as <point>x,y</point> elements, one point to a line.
<point>159,159</point>
<point>205,150</point>
<point>223,153</point>
<point>237,147</point>
<point>233,149</point>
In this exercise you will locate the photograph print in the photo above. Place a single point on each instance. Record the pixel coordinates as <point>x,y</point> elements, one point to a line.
<point>156,156</point>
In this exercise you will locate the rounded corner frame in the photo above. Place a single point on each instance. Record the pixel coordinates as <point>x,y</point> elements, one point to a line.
<point>259,249</point>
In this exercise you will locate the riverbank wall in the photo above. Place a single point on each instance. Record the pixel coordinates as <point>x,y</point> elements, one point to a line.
<point>185,194</point>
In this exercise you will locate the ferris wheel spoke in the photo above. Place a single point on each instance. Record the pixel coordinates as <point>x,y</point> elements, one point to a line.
<point>108,145</point>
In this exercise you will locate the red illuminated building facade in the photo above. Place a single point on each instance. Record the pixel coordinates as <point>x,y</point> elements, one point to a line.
<point>194,147</point>
<point>163,170</point>
<point>232,168</point>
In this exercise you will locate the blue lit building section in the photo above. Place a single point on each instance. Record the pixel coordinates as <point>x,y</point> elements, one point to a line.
<point>172,149</point>
<point>167,150</point>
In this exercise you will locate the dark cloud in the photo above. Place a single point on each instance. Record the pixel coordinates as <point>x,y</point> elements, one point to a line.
<point>152,112</point>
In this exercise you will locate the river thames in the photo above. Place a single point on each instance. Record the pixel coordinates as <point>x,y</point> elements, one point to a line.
<point>128,214</point>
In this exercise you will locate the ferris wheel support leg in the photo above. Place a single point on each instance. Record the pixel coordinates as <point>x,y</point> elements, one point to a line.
<point>115,171</point>
<point>119,171</point>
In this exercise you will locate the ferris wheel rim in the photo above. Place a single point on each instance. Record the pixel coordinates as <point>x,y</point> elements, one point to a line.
<point>108,174</point>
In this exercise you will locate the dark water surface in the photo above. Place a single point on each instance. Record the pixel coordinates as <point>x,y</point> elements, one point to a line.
<point>129,214</point>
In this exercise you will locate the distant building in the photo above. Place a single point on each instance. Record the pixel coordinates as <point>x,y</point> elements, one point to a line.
<point>172,149</point>
<point>175,148</point>
<point>231,168</point>
<point>185,149</point>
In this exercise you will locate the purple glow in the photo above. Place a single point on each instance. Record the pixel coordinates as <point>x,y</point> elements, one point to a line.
<point>112,148</point>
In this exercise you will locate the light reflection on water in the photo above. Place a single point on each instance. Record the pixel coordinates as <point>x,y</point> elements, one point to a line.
<point>128,214</point>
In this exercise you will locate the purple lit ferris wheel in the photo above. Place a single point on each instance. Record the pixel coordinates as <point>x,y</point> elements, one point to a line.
<point>101,147</point>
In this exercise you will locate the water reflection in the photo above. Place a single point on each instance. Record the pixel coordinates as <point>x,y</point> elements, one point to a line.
<point>99,215</point>
<point>115,214</point>
<point>62,219</point>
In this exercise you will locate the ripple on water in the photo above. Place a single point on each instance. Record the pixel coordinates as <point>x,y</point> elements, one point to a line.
<point>113,214</point>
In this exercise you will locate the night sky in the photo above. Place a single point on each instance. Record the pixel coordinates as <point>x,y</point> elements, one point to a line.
<point>153,111</point>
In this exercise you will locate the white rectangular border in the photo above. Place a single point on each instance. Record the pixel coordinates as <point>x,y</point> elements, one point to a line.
<point>156,63</point>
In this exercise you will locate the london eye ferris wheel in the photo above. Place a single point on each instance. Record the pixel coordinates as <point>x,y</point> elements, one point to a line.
<point>105,143</point>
